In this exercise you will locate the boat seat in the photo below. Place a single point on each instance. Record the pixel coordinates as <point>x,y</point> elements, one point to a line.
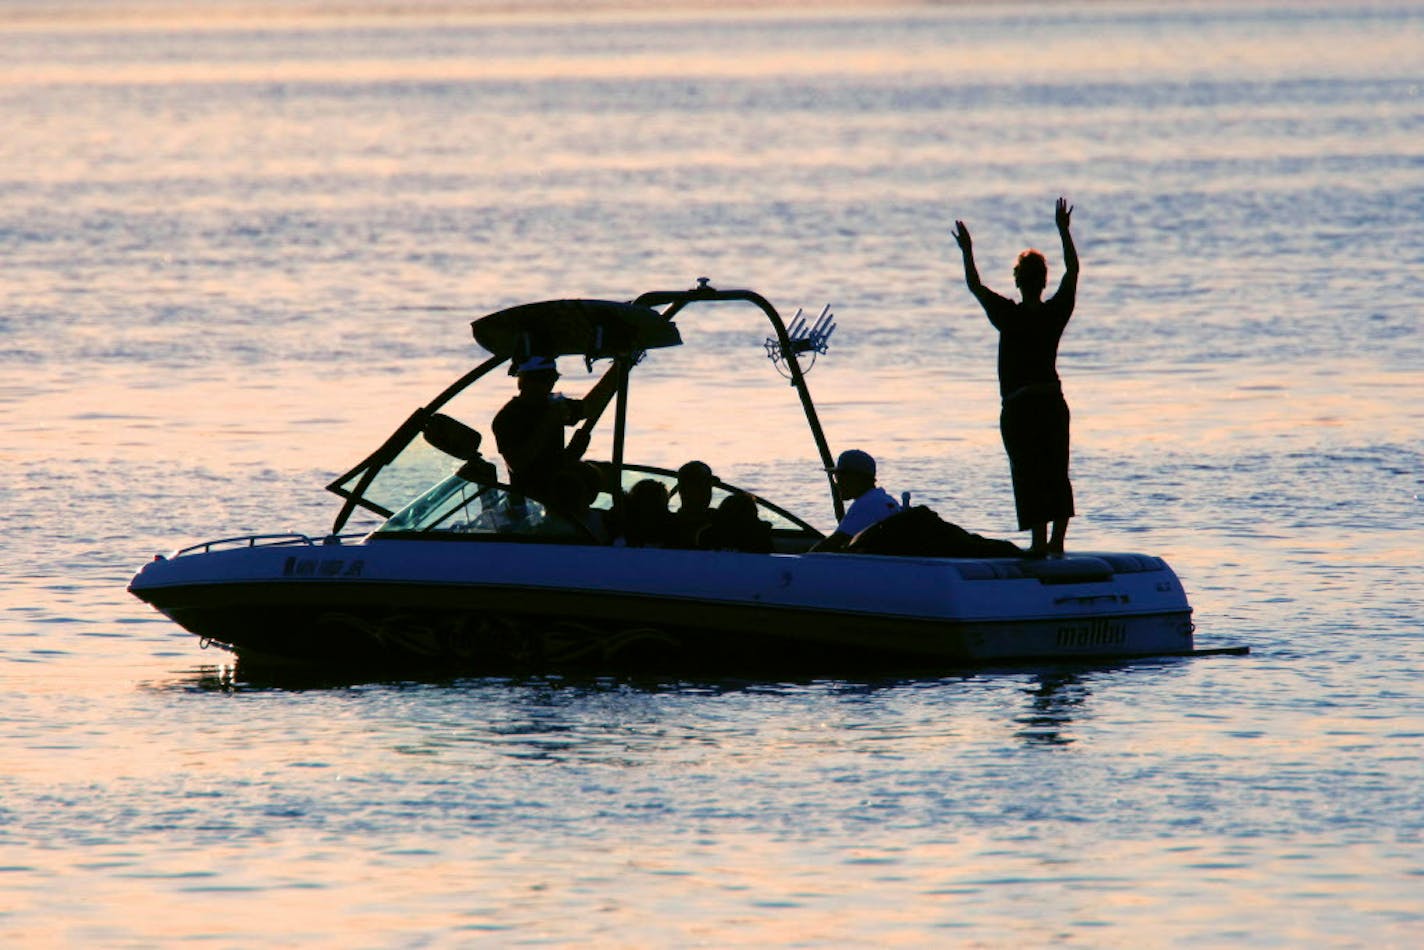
<point>1068,570</point>
<point>989,570</point>
<point>1133,563</point>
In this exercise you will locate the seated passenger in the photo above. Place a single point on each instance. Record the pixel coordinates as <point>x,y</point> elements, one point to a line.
<point>645,519</point>
<point>694,512</point>
<point>737,527</point>
<point>571,494</point>
<point>855,480</point>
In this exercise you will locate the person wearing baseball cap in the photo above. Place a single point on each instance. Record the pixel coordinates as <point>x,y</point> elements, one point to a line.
<point>869,503</point>
<point>529,429</point>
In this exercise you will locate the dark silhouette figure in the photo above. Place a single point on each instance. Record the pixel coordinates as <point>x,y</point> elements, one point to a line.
<point>694,512</point>
<point>572,492</point>
<point>529,429</point>
<point>919,532</point>
<point>870,504</point>
<point>737,527</point>
<point>646,521</point>
<point>1034,418</point>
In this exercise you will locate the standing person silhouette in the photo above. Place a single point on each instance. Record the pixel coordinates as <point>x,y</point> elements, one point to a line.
<point>1034,417</point>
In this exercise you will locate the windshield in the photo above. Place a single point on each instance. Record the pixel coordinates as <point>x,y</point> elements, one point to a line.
<point>459,505</point>
<point>418,467</point>
<point>468,503</point>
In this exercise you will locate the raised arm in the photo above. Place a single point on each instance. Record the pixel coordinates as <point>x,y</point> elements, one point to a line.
<point>592,405</point>
<point>1062,214</point>
<point>966,247</point>
<point>986,297</point>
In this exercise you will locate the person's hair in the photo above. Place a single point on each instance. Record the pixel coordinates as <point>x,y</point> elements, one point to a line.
<point>645,511</point>
<point>738,508</point>
<point>648,494</point>
<point>695,470</point>
<point>1031,270</point>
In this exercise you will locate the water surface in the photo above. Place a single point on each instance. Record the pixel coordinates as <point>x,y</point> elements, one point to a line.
<point>237,248</point>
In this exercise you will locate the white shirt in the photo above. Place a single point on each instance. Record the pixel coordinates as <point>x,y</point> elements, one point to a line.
<point>871,508</point>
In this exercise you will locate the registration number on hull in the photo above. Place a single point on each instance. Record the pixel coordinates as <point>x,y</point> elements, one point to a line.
<point>323,567</point>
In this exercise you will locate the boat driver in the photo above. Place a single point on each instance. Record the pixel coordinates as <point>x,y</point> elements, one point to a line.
<point>870,504</point>
<point>529,430</point>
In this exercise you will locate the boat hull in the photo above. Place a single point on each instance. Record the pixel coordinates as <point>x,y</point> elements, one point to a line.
<point>487,606</point>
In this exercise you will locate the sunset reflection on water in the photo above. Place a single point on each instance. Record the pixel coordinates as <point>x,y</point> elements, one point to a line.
<point>242,243</point>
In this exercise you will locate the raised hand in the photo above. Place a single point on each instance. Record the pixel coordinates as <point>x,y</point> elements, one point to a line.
<point>1062,213</point>
<point>961,236</point>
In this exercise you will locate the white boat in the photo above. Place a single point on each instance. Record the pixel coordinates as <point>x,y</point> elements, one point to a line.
<point>465,575</point>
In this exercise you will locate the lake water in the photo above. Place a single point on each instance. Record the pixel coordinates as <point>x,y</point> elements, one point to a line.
<point>240,241</point>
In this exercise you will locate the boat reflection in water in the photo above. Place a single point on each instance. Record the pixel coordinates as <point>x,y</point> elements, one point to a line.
<point>468,575</point>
